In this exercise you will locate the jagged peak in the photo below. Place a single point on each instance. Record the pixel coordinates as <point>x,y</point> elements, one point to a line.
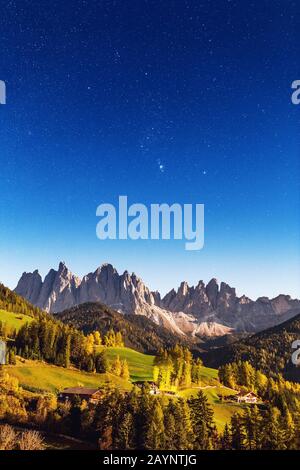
<point>184,308</point>
<point>224,287</point>
<point>62,267</point>
<point>200,285</point>
<point>35,272</point>
<point>183,286</point>
<point>213,281</point>
<point>107,266</point>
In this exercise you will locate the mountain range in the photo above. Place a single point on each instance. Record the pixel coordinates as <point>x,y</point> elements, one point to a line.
<point>202,310</point>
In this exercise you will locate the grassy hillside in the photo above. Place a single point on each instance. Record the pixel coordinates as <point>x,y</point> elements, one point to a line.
<point>35,375</point>
<point>222,411</point>
<point>140,365</point>
<point>14,320</point>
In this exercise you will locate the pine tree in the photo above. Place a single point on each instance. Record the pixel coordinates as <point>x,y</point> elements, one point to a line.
<point>184,438</point>
<point>110,338</point>
<point>252,428</point>
<point>97,338</point>
<point>226,438</point>
<point>124,438</point>
<point>273,436</point>
<point>237,432</point>
<point>202,421</point>
<point>142,416</point>
<point>107,419</point>
<point>155,436</point>
<point>67,351</point>
<point>170,430</point>
<point>116,367</point>
<point>101,363</point>
<point>125,370</point>
<point>289,430</point>
<point>119,340</point>
<point>90,342</point>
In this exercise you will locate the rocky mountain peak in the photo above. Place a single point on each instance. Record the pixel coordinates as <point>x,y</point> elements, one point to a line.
<point>30,285</point>
<point>212,291</point>
<point>62,266</point>
<point>183,288</point>
<point>210,309</point>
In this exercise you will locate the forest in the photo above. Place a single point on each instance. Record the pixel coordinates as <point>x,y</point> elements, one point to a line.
<point>176,367</point>
<point>49,340</point>
<point>138,420</point>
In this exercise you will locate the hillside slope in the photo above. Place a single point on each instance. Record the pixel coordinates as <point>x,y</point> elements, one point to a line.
<point>14,311</point>
<point>140,365</point>
<point>13,321</point>
<point>138,331</point>
<point>12,302</point>
<point>39,376</point>
<point>270,350</point>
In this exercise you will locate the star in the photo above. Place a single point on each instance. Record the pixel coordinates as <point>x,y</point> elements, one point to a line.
<point>161,166</point>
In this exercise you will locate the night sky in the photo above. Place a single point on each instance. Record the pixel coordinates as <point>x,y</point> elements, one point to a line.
<point>163,101</point>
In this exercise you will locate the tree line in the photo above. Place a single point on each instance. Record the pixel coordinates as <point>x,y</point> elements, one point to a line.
<point>134,420</point>
<point>176,367</point>
<point>54,342</point>
<point>274,390</point>
<point>138,420</point>
<point>273,425</point>
<point>261,429</point>
<point>269,351</point>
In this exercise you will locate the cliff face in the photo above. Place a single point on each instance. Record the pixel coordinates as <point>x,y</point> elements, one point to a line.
<point>57,292</point>
<point>206,310</point>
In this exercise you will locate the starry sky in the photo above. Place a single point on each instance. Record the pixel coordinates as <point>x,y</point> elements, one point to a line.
<point>162,101</point>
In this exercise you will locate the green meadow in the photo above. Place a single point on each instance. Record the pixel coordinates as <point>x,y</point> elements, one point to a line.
<point>140,365</point>
<point>36,375</point>
<point>39,376</point>
<point>14,320</point>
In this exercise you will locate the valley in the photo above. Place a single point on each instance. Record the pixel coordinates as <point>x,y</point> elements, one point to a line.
<point>93,347</point>
<point>37,377</point>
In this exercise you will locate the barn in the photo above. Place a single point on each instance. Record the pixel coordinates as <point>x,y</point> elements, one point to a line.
<point>91,395</point>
